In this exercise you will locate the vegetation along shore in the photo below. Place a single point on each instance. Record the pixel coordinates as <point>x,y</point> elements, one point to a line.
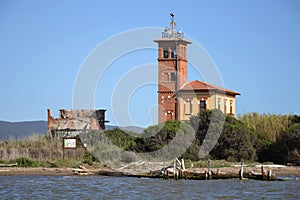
<point>253,138</point>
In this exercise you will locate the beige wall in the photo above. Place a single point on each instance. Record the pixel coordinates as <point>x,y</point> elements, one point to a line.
<point>224,100</point>
<point>211,103</point>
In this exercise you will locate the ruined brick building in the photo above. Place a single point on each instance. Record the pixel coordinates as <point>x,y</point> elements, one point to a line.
<point>73,122</point>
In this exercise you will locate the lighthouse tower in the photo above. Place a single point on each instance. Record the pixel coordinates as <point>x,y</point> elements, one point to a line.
<point>172,71</point>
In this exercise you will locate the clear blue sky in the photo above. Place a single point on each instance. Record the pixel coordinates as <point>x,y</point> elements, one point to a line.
<point>254,43</point>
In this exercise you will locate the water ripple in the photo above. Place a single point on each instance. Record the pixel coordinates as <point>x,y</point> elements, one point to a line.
<point>97,187</point>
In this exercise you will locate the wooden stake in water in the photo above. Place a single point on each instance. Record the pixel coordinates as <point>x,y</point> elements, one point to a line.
<point>183,168</point>
<point>208,168</point>
<point>174,169</point>
<point>269,176</point>
<point>262,172</point>
<point>241,172</point>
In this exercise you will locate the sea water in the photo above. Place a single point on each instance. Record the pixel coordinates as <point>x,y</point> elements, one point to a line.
<point>100,187</point>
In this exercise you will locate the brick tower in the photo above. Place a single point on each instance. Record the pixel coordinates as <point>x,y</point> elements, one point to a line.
<point>172,70</point>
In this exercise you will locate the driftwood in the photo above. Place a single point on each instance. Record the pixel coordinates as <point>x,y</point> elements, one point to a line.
<point>82,171</point>
<point>178,171</point>
<point>9,165</point>
<point>189,175</point>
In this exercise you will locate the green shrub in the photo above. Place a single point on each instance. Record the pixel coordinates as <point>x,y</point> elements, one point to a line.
<point>25,162</point>
<point>67,163</point>
<point>88,158</point>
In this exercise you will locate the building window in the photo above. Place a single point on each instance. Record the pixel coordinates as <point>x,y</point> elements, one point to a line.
<point>225,108</point>
<point>173,53</point>
<point>166,53</point>
<point>187,107</point>
<point>219,103</point>
<point>230,109</point>
<point>172,76</point>
<point>202,105</point>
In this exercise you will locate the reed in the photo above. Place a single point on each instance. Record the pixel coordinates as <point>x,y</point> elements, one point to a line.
<point>38,151</point>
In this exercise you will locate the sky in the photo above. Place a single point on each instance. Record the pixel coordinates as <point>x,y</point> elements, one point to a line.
<point>254,44</point>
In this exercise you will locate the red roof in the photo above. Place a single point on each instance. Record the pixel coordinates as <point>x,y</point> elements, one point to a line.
<point>197,85</point>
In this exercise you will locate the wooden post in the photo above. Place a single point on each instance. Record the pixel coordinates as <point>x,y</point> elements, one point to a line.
<point>241,170</point>
<point>178,168</point>
<point>183,168</point>
<point>269,175</point>
<point>209,171</point>
<point>63,147</point>
<point>174,168</point>
<point>262,172</point>
<point>209,175</point>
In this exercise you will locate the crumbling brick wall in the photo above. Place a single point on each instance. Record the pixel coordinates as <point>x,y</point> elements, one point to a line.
<point>76,120</point>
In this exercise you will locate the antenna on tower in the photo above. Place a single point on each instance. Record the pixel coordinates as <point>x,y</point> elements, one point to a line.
<point>171,32</point>
<point>172,23</point>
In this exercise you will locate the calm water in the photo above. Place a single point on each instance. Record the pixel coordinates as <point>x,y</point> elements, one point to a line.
<point>96,187</point>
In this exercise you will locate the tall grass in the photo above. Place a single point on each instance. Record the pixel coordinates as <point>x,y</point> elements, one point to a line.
<point>39,150</point>
<point>37,147</point>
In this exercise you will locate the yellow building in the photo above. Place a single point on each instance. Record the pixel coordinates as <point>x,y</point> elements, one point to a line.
<point>197,95</point>
<point>177,98</point>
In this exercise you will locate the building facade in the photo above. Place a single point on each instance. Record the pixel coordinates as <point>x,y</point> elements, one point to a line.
<point>177,98</point>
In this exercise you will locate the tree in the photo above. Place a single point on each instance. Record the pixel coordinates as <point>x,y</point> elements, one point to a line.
<point>235,143</point>
<point>234,138</point>
<point>287,147</point>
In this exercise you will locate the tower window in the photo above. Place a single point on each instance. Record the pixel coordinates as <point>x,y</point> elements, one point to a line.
<point>173,53</point>
<point>166,53</point>
<point>172,76</point>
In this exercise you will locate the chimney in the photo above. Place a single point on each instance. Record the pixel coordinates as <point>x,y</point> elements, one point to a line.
<point>49,119</point>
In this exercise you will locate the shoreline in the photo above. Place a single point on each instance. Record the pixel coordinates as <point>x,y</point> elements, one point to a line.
<point>91,171</point>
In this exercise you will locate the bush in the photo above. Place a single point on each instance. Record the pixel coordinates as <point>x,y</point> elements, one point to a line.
<point>25,162</point>
<point>88,158</point>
